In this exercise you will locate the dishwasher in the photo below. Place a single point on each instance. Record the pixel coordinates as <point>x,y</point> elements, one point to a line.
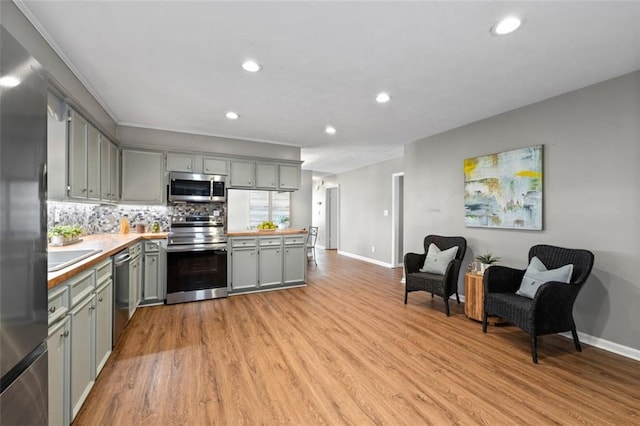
<point>121,299</point>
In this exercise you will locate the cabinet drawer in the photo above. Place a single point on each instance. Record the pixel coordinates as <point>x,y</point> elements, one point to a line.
<point>295,239</point>
<point>104,271</point>
<point>135,250</point>
<point>243,242</point>
<point>58,303</point>
<point>81,286</point>
<point>270,241</point>
<point>151,246</point>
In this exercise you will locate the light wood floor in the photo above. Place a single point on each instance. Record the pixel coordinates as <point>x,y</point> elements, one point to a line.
<point>346,350</point>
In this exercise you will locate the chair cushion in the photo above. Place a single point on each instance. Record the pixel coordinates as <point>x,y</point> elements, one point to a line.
<point>537,274</point>
<point>437,261</point>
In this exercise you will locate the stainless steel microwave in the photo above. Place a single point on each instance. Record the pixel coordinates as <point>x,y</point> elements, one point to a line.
<point>196,188</point>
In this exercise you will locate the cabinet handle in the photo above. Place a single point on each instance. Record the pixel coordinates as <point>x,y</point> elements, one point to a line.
<point>52,309</point>
<point>91,307</point>
<point>84,190</point>
<point>65,334</point>
<point>100,299</point>
<point>188,167</point>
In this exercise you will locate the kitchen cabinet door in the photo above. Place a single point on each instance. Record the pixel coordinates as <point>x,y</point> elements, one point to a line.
<point>242,174</point>
<point>142,177</point>
<point>82,353</point>
<point>135,282</point>
<point>244,264</point>
<point>77,179</point>
<point>104,324</point>
<point>58,344</point>
<point>270,266</point>
<point>181,163</point>
<point>154,287</point>
<point>266,176</point>
<point>215,166</point>
<point>289,177</point>
<point>114,173</point>
<point>105,169</point>
<point>93,163</point>
<point>295,264</point>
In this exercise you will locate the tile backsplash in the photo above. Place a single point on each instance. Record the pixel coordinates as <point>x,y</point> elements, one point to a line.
<point>94,218</point>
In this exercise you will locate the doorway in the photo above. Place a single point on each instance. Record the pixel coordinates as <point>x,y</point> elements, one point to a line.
<point>397,219</point>
<point>331,237</point>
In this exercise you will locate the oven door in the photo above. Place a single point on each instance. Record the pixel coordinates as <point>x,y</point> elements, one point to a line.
<point>196,272</point>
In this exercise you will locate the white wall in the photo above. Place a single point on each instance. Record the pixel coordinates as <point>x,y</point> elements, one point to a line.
<point>364,195</point>
<point>591,181</point>
<point>57,71</point>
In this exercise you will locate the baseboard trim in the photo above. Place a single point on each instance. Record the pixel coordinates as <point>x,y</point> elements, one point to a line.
<point>607,345</point>
<point>365,259</point>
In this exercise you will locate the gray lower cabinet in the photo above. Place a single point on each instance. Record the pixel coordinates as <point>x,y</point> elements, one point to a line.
<point>244,265</point>
<point>270,266</point>
<point>135,277</point>
<point>58,344</point>
<point>295,259</point>
<point>104,322</point>
<point>80,338</point>
<point>82,374</point>
<point>270,262</point>
<point>154,289</point>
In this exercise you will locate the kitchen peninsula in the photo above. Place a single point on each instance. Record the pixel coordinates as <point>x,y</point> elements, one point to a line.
<point>266,260</point>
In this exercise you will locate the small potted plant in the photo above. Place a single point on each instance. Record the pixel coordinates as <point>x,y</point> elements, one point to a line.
<point>283,222</point>
<point>60,235</point>
<point>486,260</point>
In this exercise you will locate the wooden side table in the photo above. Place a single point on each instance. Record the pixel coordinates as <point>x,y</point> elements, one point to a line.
<point>474,299</point>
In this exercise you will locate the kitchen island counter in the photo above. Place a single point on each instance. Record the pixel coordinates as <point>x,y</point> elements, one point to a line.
<point>110,244</point>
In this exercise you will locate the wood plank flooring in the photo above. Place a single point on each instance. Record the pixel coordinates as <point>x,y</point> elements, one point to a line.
<point>346,350</point>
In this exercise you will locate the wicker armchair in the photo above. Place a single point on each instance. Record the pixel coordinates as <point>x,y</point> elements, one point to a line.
<point>551,310</point>
<point>442,285</point>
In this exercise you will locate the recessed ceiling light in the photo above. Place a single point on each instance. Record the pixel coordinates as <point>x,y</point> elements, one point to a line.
<point>383,98</point>
<point>331,130</point>
<point>231,115</point>
<point>506,26</point>
<point>251,66</point>
<point>9,81</point>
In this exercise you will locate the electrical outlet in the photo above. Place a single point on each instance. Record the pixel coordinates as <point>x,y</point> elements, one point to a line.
<point>373,249</point>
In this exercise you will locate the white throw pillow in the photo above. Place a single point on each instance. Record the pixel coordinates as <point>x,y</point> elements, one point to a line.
<point>537,274</point>
<point>437,261</point>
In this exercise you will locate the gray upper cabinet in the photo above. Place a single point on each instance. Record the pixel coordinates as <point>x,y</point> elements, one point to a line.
<point>215,166</point>
<point>289,177</point>
<point>142,177</point>
<point>109,171</point>
<point>93,163</point>
<point>114,174</point>
<point>181,163</point>
<point>242,174</point>
<point>84,159</point>
<point>267,175</point>
<point>78,127</point>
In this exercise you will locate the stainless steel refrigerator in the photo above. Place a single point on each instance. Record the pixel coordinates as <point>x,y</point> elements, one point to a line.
<point>23,254</point>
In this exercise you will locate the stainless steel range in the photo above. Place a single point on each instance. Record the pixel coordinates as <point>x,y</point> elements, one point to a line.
<point>197,257</point>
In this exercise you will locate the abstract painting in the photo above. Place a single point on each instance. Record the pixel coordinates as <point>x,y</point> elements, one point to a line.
<point>504,190</point>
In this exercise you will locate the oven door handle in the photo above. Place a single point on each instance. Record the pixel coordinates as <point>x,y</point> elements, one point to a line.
<point>196,247</point>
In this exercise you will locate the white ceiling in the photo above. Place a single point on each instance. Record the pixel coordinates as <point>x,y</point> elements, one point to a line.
<point>176,65</point>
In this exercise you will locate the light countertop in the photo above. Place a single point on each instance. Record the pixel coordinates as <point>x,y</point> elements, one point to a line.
<point>110,244</point>
<point>266,233</point>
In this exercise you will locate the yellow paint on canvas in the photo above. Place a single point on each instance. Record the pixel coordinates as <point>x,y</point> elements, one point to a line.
<point>470,165</point>
<point>529,174</point>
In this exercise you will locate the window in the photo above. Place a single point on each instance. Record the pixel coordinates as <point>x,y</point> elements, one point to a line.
<point>268,206</point>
